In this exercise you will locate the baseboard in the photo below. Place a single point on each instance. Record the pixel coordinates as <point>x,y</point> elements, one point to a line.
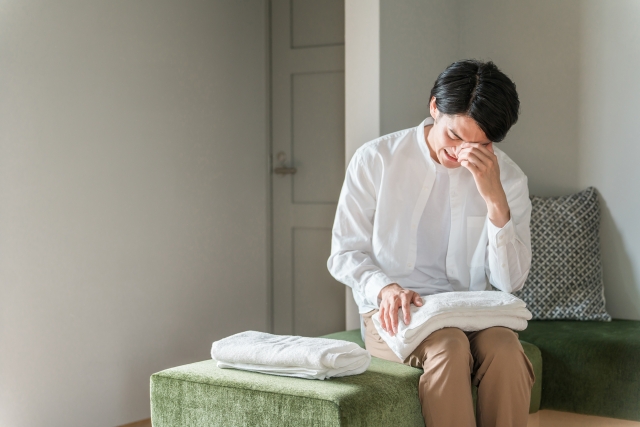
<point>141,423</point>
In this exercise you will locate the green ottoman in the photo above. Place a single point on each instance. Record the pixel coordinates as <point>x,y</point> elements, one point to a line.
<point>202,395</point>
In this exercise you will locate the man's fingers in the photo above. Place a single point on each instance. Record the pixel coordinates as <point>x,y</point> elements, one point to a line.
<point>483,155</point>
<point>475,156</point>
<point>485,145</point>
<point>393,314</point>
<point>389,310</point>
<point>469,165</point>
<point>476,161</point>
<point>405,308</point>
<point>481,152</point>
<point>417,299</point>
<point>487,150</point>
<point>470,159</point>
<point>463,154</point>
<point>384,319</point>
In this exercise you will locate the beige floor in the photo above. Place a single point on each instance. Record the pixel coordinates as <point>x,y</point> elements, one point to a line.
<point>544,418</point>
<point>548,418</point>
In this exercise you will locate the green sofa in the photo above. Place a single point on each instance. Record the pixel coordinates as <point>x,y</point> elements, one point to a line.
<point>385,395</point>
<point>590,367</point>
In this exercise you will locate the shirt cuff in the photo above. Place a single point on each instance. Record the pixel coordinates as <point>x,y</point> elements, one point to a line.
<point>499,237</point>
<point>374,286</point>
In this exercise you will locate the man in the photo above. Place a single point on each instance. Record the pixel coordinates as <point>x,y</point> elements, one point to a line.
<point>439,208</point>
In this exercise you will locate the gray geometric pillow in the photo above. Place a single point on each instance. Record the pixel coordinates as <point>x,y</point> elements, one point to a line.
<point>565,280</point>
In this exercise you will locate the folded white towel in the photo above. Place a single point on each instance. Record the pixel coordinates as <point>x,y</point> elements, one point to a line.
<point>467,310</point>
<point>290,355</point>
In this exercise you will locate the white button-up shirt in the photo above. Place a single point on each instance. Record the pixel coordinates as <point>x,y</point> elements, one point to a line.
<point>386,187</point>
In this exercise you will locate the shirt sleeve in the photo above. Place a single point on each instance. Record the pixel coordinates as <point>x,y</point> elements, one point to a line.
<point>350,261</point>
<point>509,247</point>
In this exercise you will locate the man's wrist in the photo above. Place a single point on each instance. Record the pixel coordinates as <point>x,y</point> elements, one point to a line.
<point>498,211</point>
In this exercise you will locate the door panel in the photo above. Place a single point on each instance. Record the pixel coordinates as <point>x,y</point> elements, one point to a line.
<point>317,23</point>
<point>307,87</point>
<point>318,136</point>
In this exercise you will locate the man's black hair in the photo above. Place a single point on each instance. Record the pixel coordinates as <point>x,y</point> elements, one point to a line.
<point>481,91</point>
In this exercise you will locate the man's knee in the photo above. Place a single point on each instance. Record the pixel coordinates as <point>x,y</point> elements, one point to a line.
<point>449,345</point>
<point>498,342</point>
<point>501,346</point>
<point>451,339</point>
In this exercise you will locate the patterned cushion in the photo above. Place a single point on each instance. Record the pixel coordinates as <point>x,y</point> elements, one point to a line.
<point>565,280</point>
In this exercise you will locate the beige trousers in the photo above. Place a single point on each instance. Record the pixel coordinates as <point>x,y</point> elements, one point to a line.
<point>492,359</point>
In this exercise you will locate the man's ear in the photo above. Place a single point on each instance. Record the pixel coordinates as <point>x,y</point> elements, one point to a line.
<point>433,109</point>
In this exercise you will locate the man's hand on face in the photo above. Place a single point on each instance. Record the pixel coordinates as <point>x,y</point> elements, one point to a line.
<point>393,297</point>
<point>482,162</point>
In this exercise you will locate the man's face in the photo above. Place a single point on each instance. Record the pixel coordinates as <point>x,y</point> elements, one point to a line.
<point>450,134</point>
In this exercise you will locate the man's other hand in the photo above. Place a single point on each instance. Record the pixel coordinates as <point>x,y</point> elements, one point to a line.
<point>393,297</point>
<point>482,162</point>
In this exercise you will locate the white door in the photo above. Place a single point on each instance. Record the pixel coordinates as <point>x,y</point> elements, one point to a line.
<point>308,155</point>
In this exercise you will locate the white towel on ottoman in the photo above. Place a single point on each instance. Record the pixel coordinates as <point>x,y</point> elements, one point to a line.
<point>467,310</point>
<point>290,355</point>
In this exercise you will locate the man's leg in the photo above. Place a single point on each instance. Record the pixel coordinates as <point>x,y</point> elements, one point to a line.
<point>504,376</point>
<point>445,385</point>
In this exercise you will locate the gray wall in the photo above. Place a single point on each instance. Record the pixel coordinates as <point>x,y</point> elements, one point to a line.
<point>133,198</point>
<point>574,65</point>
<point>537,44</point>
<point>609,140</point>
<point>418,39</point>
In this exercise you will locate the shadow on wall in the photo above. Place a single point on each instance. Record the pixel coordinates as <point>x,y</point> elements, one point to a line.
<point>617,268</point>
<point>608,141</point>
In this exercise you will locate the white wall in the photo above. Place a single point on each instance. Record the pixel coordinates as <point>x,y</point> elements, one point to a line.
<point>574,64</point>
<point>362,94</point>
<point>609,141</point>
<point>133,198</point>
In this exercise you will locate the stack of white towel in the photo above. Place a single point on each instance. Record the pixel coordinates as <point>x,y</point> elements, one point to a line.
<point>290,355</point>
<point>467,310</point>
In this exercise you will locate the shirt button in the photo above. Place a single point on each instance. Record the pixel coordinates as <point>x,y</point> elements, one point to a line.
<point>408,264</point>
<point>501,237</point>
<point>502,265</point>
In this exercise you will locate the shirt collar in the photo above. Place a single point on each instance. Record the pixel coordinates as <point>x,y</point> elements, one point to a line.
<point>423,143</point>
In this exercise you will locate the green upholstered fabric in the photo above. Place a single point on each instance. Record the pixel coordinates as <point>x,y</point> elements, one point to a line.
<point>532,352</point>
<point>202,395</point>
<point>590,367</point>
